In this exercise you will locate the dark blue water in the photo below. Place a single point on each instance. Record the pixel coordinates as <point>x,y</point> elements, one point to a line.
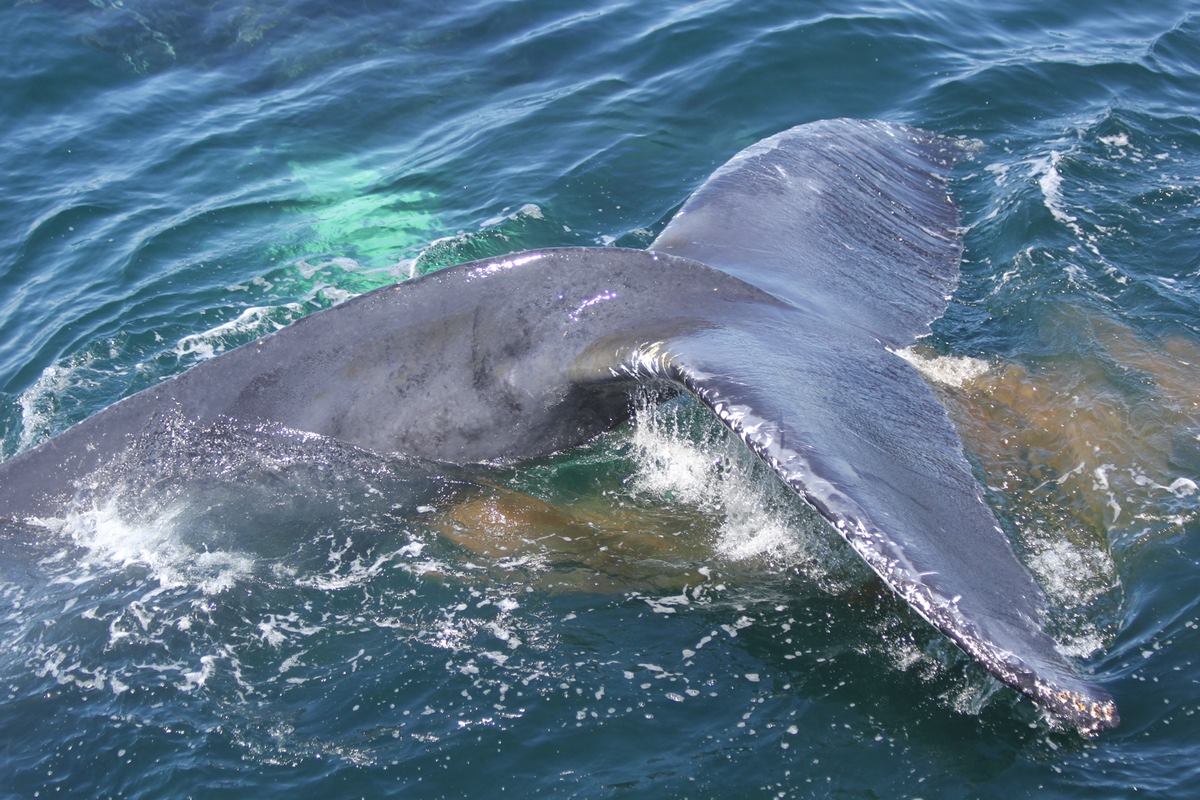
<point>650,616</point>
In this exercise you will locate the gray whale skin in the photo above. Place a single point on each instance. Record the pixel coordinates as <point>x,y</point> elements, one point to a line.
<point>775,296</point>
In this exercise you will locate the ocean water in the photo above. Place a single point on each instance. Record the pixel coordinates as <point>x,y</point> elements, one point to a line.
<point>650,615</point>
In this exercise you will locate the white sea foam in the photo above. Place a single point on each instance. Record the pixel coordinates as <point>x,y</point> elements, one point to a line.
<point>255,321</point>
<point>716,474</point>
<point>40,403</point>
<point>1050,182</point>
<point>953,371</point>
<point>527,211</point>
<point>37,404</point>
<point>109,539</point>
<point>1074,575</point>
<point>1183,487</point>
<point>309,270</point>
<point>1071,573</point>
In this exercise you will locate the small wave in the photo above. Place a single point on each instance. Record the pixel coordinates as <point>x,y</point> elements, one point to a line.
<point>1050,180</point>
<point>530,211</point>
<point>252,323</point>
<point>528,227</point>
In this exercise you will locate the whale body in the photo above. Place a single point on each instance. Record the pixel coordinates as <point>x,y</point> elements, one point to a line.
<point>777,296</point>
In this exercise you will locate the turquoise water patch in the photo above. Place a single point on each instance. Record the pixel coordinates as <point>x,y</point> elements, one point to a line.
<point>350,218</point>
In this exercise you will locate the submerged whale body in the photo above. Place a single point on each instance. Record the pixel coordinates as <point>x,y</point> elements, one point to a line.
<point>775,296</point>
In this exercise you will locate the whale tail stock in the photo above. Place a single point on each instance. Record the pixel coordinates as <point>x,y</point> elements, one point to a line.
<point>775,296</point>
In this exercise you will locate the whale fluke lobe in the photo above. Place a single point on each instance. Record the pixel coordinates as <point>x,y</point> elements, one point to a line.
<point>849,217</point>
<point>775,297</point>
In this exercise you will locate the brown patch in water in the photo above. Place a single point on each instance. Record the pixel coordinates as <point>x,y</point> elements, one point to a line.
<point>1095,436</point>
<point>594,544</point>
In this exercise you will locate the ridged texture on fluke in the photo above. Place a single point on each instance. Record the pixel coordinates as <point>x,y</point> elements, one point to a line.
<point>847,217</point>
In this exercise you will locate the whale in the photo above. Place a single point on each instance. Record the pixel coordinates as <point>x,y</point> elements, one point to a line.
<point>779,296</point>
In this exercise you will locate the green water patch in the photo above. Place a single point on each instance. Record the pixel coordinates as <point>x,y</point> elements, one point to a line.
<point>348,216</point>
